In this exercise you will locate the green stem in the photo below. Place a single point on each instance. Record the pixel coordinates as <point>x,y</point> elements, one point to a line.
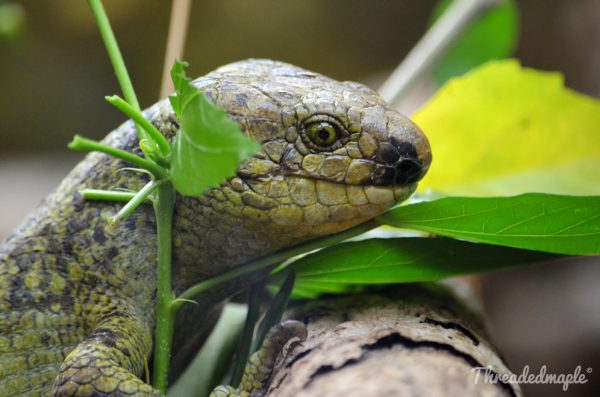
<point>106,195</point>
<point>138,199</point>
<point>139,118</point>
<point>271,260</point>
<point>165,317</point>
<point>163,204</point>
<point>116,58</point>
<point>87,145</point>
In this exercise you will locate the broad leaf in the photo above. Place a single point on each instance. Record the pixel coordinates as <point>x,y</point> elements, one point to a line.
<point>308,289</point>
<point>504,130</point>
<point>211,363</point>
<point>397,260</point>
<point>492,36</point>
<point>560,224</point>
<point>208,145</point>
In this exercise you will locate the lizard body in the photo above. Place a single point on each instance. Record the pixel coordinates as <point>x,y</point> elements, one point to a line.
<point>77,298</point>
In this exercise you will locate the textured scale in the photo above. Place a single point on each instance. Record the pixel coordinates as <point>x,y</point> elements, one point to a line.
<point>77,297</point>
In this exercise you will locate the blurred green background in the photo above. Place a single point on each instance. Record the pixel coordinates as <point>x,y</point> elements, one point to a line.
<point>54,74</point>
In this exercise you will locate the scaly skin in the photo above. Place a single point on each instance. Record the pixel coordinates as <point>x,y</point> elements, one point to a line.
<point>77,298</point>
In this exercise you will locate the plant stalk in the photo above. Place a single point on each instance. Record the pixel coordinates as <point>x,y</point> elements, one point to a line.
<point>107,195</point>
<point>139,118</point>
<point>88,145</point>
<point>110,42</point>
<point>163,208</point>
<point>139,198</point>
<point>163,203</point>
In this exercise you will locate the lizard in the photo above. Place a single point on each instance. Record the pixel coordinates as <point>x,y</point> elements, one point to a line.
<point>77,298</point>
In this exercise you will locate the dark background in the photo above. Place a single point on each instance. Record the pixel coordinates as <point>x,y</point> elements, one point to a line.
<point>55,73</point>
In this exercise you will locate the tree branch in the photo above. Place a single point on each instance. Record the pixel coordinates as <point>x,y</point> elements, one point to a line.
<point>418,340</point>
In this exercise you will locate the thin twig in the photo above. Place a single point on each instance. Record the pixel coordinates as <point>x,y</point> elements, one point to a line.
<point>82,144</point>
<point>106,195</point>
<point>138,117</point>
<point>180,12</point>
<point>434,43</point>
<point>138,199</point>
<point>114,53</point>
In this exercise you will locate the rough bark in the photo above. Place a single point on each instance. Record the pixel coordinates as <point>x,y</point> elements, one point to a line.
<point>414,340</point>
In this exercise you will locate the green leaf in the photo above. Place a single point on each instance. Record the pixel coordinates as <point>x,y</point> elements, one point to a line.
<point>504,130</point>
<point>275,311</point>
<point>559,224</point>
<point>208,146</point>
<point>493,36</point>
<point>209,365</point>
<point>399,260</point>
<point>243,348</point>
<point>306,288</point>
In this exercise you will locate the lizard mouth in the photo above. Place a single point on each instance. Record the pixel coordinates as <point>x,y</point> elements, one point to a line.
<point>345,205</point>
<point>301,205</point>
<point>369,198</point>
<point>372,184</point>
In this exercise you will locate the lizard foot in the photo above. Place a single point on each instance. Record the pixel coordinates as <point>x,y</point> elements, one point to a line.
<point>105,364</point>
<point>260,365</point>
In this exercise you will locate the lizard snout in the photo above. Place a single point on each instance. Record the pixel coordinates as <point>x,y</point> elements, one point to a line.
<point>405,157</point>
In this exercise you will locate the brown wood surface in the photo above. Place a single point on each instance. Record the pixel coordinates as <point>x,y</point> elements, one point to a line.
<point>404,341</point>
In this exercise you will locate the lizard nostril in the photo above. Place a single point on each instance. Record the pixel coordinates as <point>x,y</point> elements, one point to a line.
<point>408,171</point>
<point>400,164</point>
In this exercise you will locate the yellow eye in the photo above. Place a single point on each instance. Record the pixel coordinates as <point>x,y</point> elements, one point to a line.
<point>322,133</point>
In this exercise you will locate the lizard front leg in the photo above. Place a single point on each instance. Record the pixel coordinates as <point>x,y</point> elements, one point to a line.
<point>109,362</point>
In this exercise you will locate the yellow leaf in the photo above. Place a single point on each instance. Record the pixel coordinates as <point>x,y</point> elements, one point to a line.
<point>504,129</point>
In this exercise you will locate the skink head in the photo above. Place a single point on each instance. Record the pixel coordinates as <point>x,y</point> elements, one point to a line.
<point>323,131</point>
<point>334,155</point>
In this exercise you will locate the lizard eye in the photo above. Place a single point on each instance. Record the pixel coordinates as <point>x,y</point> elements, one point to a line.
<point>323,132</point>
